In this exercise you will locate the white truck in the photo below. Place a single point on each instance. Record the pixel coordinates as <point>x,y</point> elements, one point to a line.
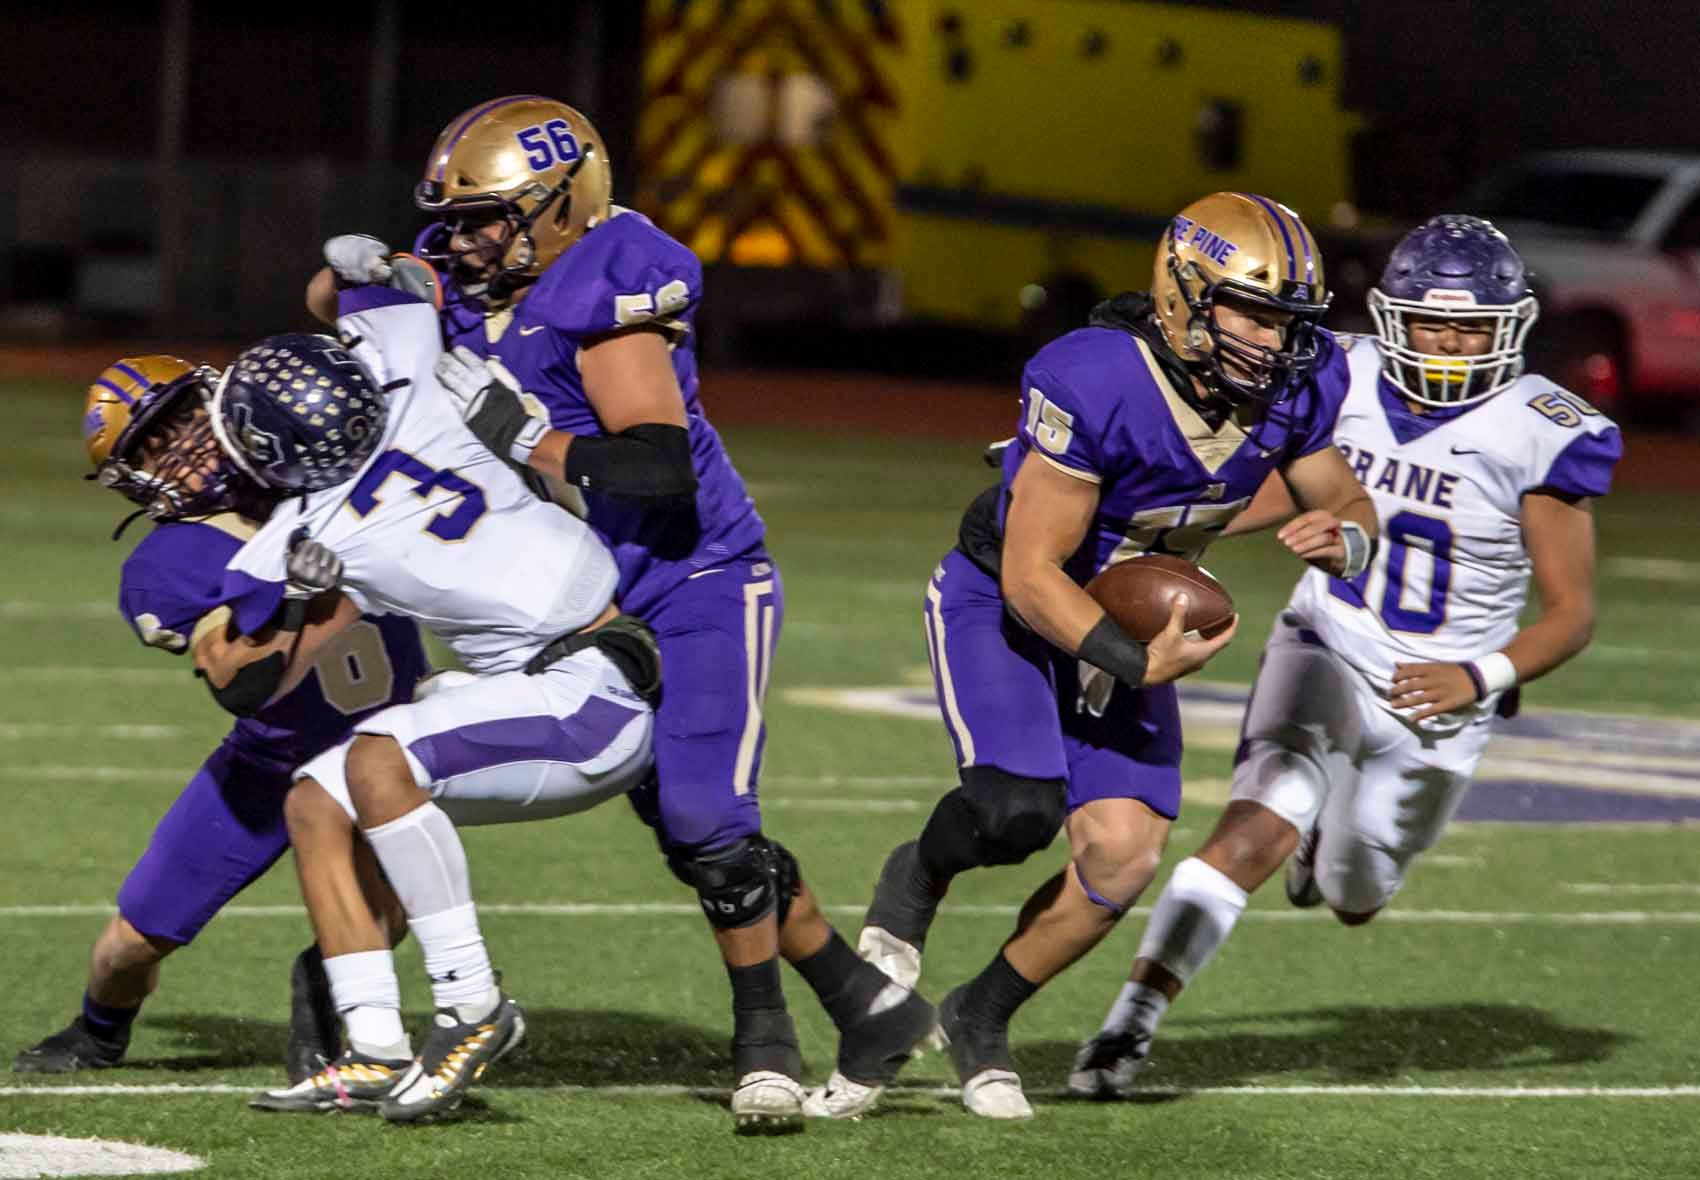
<point>1612,240</point>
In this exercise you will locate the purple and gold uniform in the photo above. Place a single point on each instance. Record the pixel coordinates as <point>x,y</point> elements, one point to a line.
<point>1098,405</point>
<point>701,579</point>
<point>227,826</point>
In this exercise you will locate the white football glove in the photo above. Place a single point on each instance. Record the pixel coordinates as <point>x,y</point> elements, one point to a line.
<point>357,259</point>
<point>490,404</point>
<point>312,569</point>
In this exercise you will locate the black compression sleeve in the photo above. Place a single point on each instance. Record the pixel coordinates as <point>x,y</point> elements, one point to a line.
<point>650,461</point>
<point>1108,647</point>
<point>251,687</point>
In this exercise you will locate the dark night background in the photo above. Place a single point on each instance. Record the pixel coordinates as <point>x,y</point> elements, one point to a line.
<point>1450,87</point>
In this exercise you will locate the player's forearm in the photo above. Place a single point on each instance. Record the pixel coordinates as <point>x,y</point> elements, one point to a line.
<point>1557,636</point>
<point>321,296</point>
<point>1049,601</point>
<point>650,461</point>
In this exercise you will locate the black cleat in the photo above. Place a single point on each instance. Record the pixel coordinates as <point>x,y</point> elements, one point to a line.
<point>315,1032</point>
<point>71,1049</point>
<point>1302,889</point>
<point>353,1081</point>
<point>455,1055</point>
<point>1106,1065</point>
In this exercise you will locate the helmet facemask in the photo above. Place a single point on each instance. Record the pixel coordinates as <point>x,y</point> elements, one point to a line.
<point>168,461</point>
<point>492,269</point>
<point>1445,381</point>
<point>1265,375</point>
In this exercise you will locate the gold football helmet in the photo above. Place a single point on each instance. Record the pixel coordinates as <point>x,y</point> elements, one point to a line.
<point>1258,254</point>
<point>149,439</point>
<point>531,164</point>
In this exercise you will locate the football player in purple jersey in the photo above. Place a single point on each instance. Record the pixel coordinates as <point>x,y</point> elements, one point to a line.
<point>147,434</point>
<point>1375,698</point>
<point>570,323</point>
<point>1146,432</point>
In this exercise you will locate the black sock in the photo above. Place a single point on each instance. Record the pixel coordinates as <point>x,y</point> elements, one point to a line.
<point>998,991</point>
<point>845,983</point>
<point>108,1023</point>
<point>763,1036</point>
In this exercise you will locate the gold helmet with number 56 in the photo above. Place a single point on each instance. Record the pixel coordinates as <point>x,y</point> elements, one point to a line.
<point>1257,256</point>
<point>514,182</point>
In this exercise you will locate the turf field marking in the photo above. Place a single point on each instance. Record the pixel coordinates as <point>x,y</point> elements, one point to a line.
<point>679,1091</point>
<point>123,774</point>
<point>1597,887</point>
<point>1652,569</point>
<point>1632,653</point>
<point>590,909</point>
<point>129,733</point>
<point>17,608</point>
<point>106,674</point>
<point>27,1156</point>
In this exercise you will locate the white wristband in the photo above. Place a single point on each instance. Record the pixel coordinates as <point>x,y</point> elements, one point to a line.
<point>527,439</point>
<point>1497,671</point>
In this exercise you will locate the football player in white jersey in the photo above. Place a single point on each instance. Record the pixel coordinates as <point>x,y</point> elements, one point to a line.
<point>394,507</point>
<point>1376,696</point>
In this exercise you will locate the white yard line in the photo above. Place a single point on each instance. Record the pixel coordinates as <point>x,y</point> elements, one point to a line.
<point>18,608</point>
<point>103,673</point>
<point>33,731</point>
<point>589,909</point>
<point>1652,569</point>
<point>1610,887</point>
<point>673,1091</point>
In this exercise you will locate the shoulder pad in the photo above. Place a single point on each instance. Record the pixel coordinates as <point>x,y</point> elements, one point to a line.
<point>623,273</point>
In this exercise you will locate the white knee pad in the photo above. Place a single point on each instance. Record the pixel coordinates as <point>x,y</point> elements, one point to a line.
<point>1356,876</point>
<point>1287,781</point>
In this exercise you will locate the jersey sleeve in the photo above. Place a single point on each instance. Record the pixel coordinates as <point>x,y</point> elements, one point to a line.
<point>394,334</point>
<point>1585,466</point>
<point>172,580</point>
<point>1066,414</point>
<point>255,577</point>
<point>622,274</point>
<point>1329,383</point>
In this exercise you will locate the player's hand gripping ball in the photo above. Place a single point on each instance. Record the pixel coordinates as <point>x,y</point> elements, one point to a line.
<point>1137,594</point>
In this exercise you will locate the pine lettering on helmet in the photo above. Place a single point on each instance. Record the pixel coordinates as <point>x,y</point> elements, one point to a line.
<point>1258,254</point>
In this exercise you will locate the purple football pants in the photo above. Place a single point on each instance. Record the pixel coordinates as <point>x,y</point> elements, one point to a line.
<point>221,834</point>
<point>1013,701</point>
<point>717,631</point>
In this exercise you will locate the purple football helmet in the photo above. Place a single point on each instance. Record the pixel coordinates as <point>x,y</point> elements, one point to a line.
<point>1453,267</point>
<point>298,413</point>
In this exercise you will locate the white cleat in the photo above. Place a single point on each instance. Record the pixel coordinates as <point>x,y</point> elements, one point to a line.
<point>996,1094</point>
<point>841,1098</point>
<point>898,959</point>
<point>767,1103</point>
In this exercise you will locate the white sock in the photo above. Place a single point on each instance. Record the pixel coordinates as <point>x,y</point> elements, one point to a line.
<point>1138,1007</point>
<point>455,958</point>
<point>368,997</point>
<point>422,855</point>
<point>1192,919</point>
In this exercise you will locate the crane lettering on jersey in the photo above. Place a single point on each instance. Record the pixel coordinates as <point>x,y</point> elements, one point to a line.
<point>1413,481</point>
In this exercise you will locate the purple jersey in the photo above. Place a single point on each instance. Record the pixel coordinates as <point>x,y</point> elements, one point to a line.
<point>623,272</point>
<point>1096,404</point>
<point>175,578</point>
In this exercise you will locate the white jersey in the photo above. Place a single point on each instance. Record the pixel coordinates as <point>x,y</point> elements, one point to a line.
<point>1451,574</point>
<point>434,526</point>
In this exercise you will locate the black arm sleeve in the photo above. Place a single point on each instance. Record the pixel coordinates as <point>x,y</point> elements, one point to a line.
<point>251,687</point>
<point>651,461</point>
<point>1108,647</point>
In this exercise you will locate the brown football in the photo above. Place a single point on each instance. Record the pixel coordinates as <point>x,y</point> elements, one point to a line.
<point>1136,593</point>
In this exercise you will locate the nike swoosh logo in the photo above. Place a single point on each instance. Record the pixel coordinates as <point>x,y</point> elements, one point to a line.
<point>531,330</point>
<point>1464,451</point>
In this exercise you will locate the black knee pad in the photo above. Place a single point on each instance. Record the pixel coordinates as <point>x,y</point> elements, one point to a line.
<point>737,885</point>
<point>787,879</point>
<point>993,818</point>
